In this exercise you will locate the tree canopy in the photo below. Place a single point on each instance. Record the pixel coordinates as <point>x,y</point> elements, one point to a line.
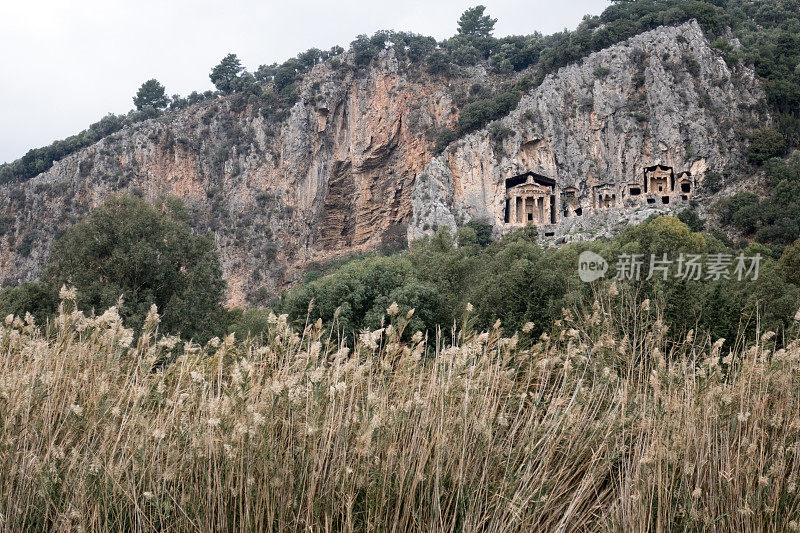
<point>146,254</point>
<point>224,75</point>
<point>473,22</point>
<point>35,298</point>
<point>151,94</point>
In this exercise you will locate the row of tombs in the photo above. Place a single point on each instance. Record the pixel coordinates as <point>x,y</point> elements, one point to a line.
<point>535,199</point>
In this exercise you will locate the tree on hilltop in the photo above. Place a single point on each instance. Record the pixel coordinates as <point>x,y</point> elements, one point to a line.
<point>473,23</point>
<point>224,75</point>
<point>151,94</point>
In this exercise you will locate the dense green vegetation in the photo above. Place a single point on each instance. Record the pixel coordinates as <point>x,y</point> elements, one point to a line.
<point>776,218</point>
<point>518,281</point>
<point>38,299</point>
<point>131,254</point>
<point>147,255</point>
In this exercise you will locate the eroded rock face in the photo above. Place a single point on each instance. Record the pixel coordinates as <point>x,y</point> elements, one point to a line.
<point>333,176</point>
<point>603,129</point>
<point>351,165</point>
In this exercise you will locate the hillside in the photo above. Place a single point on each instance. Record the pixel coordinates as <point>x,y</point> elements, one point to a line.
<point>333,153</point>
<point>346,168</point>
<point>334,175</point>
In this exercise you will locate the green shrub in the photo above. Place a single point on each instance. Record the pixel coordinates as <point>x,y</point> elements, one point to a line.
<point>439,63</point>
<point>146,255</point>
<point>36,298</point>
<point>483,232</point>
<point>444,138</point>
<point>7,224</point>
<point>692,220</point>
<point>498,133</point>
<point>765,144</point>
<point>601,72</point>
<point>248,323</point>
<point>477,114</point>
<point>359,293</point>
<point>713,181</point>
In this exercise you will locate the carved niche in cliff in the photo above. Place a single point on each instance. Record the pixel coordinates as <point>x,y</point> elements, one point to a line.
<point>634,189</point>
<point>571,205</point>
<point>660,186</point>
<point>685,185</point>
<point>604,197</point>
<point>659,179</point>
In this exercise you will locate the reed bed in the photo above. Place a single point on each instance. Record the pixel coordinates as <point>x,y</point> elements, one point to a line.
<point>604,424</point>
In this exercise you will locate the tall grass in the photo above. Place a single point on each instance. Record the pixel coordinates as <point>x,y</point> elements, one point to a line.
<point>603,425</point>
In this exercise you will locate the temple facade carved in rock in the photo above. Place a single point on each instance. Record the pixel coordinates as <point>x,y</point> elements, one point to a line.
<point>533,198</point>
<point>530,199</point>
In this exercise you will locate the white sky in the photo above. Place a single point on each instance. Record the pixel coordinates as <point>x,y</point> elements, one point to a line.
<point>65,64</point>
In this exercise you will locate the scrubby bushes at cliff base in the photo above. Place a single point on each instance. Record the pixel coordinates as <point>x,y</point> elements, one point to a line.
<point>517,280</point>
<point>598,424</point>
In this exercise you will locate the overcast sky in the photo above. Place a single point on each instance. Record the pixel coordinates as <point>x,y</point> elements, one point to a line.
<point>65,64</point>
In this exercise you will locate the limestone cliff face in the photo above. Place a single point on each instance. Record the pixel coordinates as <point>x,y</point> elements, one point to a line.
<point>351,166</point>
<point>333,176</point>
<point>599,129</point>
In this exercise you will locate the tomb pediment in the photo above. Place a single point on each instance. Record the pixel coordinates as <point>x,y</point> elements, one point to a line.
<point>530,177</point>
<point>658,168</point>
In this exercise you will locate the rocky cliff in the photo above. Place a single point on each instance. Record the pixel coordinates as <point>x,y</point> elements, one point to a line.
<point>629,131</point>
<point>331,176</point>
<point>351,165</point>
